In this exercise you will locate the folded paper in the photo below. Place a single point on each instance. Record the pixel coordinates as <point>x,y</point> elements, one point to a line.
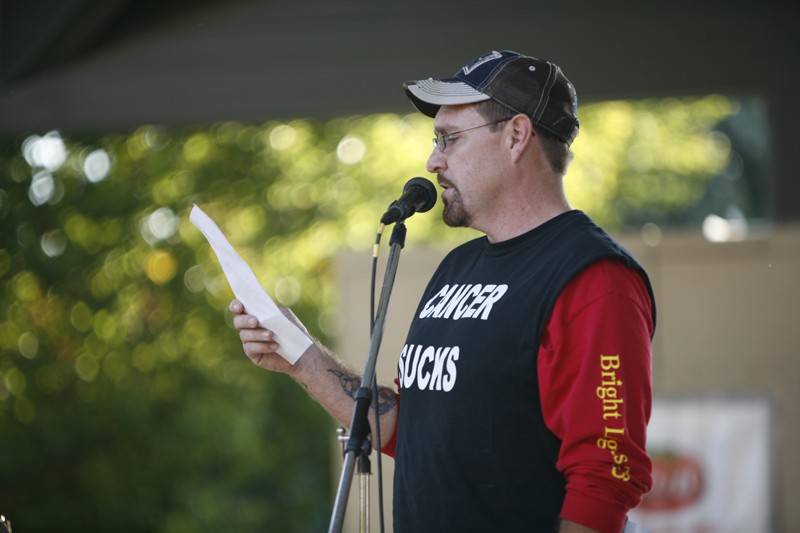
<point>292,340</point>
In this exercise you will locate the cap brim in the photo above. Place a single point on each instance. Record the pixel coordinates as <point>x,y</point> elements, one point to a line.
<point>429,95</point>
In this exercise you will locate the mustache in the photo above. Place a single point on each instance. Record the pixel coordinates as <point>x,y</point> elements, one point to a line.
<point>444,182</point>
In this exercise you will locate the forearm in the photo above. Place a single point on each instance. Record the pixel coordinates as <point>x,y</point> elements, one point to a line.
<point>334,385</point>
<point>329,381</point>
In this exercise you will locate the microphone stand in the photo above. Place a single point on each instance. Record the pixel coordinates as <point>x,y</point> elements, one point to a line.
<point>359,444</point>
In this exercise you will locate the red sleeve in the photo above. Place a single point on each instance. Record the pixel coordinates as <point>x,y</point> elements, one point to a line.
<point>595,382</point>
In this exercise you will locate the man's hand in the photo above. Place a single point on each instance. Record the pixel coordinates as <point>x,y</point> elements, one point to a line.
<point>259,343</point>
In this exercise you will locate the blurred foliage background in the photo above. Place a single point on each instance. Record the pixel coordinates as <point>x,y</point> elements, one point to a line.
<point>126,403</point>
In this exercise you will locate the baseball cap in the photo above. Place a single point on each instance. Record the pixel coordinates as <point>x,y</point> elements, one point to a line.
<point>527,85</point>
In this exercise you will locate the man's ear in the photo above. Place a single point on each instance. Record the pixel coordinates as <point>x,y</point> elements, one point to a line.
<point>520,135</point>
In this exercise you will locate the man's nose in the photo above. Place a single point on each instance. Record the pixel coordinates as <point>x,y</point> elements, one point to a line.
<point>436,162</point>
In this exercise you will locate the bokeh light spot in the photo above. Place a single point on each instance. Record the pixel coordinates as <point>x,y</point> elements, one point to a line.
<point>26,286</point>
<point>53,243</point>
<point>282,137</point>
<point>80,317</point>
<point>288,290</point>
<point>42,188</point>
<point>48,152</point>
<point>651,234</point>
<point>28,345</point>
<point>194,279</point>
<point>97,165</point>
<point>86,367</point>
<point>161,267</point>
<point>351,150</point>
<point>197,148</point>
<point>15,381</point>
<point>733,227</point>
<point>160,225</point>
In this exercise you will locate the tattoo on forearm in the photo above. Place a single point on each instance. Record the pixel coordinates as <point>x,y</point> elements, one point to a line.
<point>386,401</point>
<point>350,385</point>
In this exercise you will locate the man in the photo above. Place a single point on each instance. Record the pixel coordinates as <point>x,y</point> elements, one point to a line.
<point>525,381</point>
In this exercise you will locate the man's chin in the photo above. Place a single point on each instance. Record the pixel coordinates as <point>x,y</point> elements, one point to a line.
<point>455,217</point>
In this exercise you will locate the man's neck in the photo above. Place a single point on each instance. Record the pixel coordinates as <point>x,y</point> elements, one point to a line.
<point>524,224</point>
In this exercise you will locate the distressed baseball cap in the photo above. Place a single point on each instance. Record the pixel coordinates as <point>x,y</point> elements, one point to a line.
<point>527,85</point>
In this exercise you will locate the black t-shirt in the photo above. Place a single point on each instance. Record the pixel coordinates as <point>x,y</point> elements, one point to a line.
<point>473,452</point>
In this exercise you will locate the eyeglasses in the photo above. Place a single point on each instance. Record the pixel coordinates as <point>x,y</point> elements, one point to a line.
<point>441,139</point>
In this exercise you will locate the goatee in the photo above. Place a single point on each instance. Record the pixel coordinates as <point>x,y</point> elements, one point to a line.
<point>454,214</point>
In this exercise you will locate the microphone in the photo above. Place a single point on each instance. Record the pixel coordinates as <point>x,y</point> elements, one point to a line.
<point>419,195</point>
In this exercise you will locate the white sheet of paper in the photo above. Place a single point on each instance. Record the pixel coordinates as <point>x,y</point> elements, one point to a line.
<point>293,341</point>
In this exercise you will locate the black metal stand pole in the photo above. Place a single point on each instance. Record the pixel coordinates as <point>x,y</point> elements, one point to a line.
<point>359,429</point>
